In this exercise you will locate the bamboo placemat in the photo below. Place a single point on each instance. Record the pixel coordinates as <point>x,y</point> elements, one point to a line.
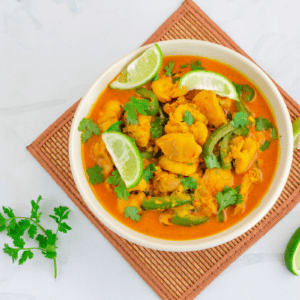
<point>171,275</point>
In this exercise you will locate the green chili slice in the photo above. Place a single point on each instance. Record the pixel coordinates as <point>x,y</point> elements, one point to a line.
<point>154,105</point>
<point>188,220</point>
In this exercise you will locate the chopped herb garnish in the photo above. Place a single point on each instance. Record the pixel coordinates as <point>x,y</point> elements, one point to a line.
<point>116,126</point>
<point>148,172</point>
<point>168,68</point>
<point>156,77</point>
<point>211,161</point>
<point>184,66</point>
<point>240,119</point>
<point>88,128</point>
<point>238,88</point>
<point>274,133</point>
<point>197,66</point>
<point>261,123</point>
<point>133,106</point>
<point>189,183</point>
<point>157,128</point>
<point>120,189</point>
<point>229,197</point>
<point>176,79</point>
<point>95,174</point>
<point>265,146</point>
<point>188,118</point>
<point>132,213</point>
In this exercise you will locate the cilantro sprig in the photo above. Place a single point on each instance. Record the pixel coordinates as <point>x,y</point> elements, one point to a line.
<point>184,66</point>
<point>188,118</point>
<point>46,241</point>
<point>132,213</point>
<point>262,124</point>
<point>189,183</point>
<point>88,128</point>
<point>229,197</point>
<point>133,106</point>
<point>265,146</point>
<point>240,119</point>
<point>120,189</point>
<point>197,66</point>
<point>157,128</point>
<point>95,174</point>
<point>169,67</point>
<point>148,172</point>
<point>115,127</point>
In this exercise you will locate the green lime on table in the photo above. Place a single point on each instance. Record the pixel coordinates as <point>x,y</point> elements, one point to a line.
<point>209,81</point>
<point>292,253</point>
<point>126,157</point>
<point>296,133</point>
<point>140,71</point>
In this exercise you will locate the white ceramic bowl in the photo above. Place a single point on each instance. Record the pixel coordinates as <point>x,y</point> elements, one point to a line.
<point>224,55</point>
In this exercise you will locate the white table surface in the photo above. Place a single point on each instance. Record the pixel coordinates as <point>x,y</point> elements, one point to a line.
<point>50,53</point>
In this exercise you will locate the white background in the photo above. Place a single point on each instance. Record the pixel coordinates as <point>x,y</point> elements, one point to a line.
<point>50,53</point>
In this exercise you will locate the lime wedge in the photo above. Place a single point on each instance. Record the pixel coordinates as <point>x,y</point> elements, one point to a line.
<point>292,253</point>
<point>140,71</point>
<point>210,81</point>
<point>296,133</point>
<point>126,157</point>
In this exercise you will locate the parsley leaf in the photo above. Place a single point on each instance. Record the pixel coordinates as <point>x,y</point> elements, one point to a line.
<point>47,242</point>
<point>88,127</point>
<point>229,197</point>
<point>240,119</point>
<point>148,172</point>
<point>132,213</point>
<point>168,68</point>
<point>115,127</point>
<point>133,106</point>
<point>157,128</point>
<point>189,183</point>
<point>264,146</point>
<point>211,162</point>
<point>261,123</point>
<point>156,77</point>
<point>183,66</point>
<point>95,174</point>
<point>188,118</point>
<point>120,189</point>
<point>197,66</point>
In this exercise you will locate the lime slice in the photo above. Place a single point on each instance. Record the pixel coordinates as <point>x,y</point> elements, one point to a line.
<point>296,133</point>
<point>126,157</point>
<point>210,81</point>
<point>140,71</point>
<point>292,253</point>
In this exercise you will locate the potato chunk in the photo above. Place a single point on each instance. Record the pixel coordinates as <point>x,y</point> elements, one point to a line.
<point>208,104</point>
<point>181,168</point>
<point>180,147</point>
<point>165,182</point>
<point>110,115</point>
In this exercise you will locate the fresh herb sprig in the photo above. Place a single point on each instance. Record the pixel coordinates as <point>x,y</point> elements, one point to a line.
<point>46,241</point>
<point>88,128</point>
<point>120,187</point>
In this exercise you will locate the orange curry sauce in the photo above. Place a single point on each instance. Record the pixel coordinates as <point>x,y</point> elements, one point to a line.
<point>149,223</point>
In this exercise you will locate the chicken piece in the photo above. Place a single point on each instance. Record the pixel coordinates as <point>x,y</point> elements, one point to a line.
<point>142,186</point>
<point>103,158</point>
<point>180,147</point>
<point>173,126</point>
<point>200,132</point>
<point>110,115</point>
<point>141,131</point>
<point>165,90</point>
<point>253,176</point>
<point>243,150</point>
<point>133,200</point>
<point>208,104</point>
<point>181,109</point>
<point>210,184</point>
<point>170,108</point>
<point>165,182</point>
<point>225,102</point>
<point>181,168</point>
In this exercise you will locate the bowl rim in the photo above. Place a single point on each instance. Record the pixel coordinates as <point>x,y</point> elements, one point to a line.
<point>162,244</point>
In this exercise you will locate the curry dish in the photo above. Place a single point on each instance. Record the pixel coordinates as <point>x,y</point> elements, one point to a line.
<point>208,160</point>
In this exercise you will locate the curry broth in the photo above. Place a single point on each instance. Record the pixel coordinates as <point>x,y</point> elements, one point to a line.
<point>149,223</point>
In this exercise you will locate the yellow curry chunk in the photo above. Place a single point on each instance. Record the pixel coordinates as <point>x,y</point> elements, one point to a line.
<point>165,182</point>
<point>141,131</point>
<point>176,167</point>
<point>208,104</point>
<point>111,115</point>
<point>174,147</point>
<point>243,150</point>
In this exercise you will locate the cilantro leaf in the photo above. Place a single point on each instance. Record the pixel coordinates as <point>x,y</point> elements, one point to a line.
<point>274,133</point>
<point>262,124</point>
<point>156,77</point>
<point>183,66</point>
<point>132,213</point>
<point>238,88</point>
<point>264,146</point>
<point>240,119</point>
<point>42,241</point>
<point>116,126</point>
<point>189,183</point>
<point>197,66</point>
<point>148,172</point>
<point>2,223</point>
<point>88,128</point>
<point>95,174</point>
<point>34,210</point>
<point>32,231</point>
<point>133,106</point>
<point>211,162</point>
<point>131,114</point>
<point>157,128</point>
<point>229,197</point>
<point>168,68</point>
<point>188,118</point>
<point>120,189</point>
<point>26,254</point>
<point>8,211</point>
<point>12,252</point>
<point>176,79</point>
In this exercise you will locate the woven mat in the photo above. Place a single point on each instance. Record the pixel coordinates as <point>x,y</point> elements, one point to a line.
<point>171,275</point>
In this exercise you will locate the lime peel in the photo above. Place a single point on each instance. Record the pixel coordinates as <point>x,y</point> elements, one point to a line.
<point>126,157</point>
<point>292,253</point>
<point>141,70</point>
<point>296,133</point>
<point>210,81</point>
